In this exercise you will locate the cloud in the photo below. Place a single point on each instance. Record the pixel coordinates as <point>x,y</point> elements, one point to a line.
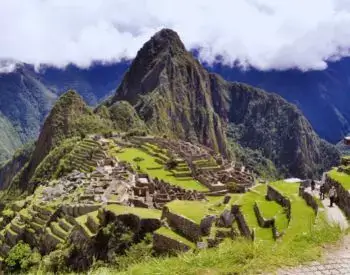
<point>265,34</point>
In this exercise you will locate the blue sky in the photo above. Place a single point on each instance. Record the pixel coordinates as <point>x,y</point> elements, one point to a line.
<point>266,34</point>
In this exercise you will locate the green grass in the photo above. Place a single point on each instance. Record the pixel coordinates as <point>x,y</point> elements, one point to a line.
<point>143,213</point>
<point>247,207</point>
<point>271,209</point>
<point>286,188</point>
<point>342,178</point>
<point>193,210</point>
<point>129,154</point>
<point>242,257</point>
<point>302,216</point>
<point>172,235</point>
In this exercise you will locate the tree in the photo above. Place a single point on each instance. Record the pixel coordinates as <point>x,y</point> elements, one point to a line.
<point>21,257</point>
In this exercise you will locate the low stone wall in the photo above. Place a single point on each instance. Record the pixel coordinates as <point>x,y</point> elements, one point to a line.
<point>261,220</point>
<point>187,228</point>
<point>162,243</point>
<point>79,209</point>
<point>309,198</point>
<point>274,195</point>
<point>343,195</point>
<point>242,224</point>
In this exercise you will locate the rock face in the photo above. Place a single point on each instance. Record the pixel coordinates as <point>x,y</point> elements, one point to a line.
<point>171,92</point>
<point>176,96</point>
<point>9,169</point>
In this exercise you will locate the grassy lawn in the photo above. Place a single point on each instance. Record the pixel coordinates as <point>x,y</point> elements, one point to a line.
<point>342,178</point>
<point>151,167</point>
<point>193,210</point>
<point>172,235</point>
<point>143,213</point>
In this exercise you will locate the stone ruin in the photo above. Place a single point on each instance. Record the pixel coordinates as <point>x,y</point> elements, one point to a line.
<point>156,193</point>
<point>215,178</point>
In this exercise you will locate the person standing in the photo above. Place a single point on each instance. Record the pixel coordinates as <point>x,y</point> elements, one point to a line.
<point>313,185</point>
<point>322,191</point>
<point>332,195</point>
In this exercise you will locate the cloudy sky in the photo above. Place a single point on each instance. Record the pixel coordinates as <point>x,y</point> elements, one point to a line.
<point>266,34</point>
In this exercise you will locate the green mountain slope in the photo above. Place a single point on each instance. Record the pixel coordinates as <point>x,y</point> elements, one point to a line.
<point>9,139</point>
<point>176,96</point>
<point>69,117</point>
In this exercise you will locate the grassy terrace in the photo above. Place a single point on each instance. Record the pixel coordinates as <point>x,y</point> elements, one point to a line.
<point>302,216</point>
<point>247,206</point>
<point>153,169</point>
<point>172,235</point>
<point>83,219</point>
<point>342,178</point>
<point>271,209</point>
<point>192,210</point>
<point>302,240</point>
<point>143,213</point>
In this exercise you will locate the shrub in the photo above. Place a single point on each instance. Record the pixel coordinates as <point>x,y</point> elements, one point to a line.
<point>21,257</point>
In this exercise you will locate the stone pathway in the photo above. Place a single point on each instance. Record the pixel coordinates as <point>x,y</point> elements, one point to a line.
<point>337,259</point>
<point>333,214</point>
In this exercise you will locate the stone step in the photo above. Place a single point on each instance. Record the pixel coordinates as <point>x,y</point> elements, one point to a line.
<point>92,223</point>
<point>65,224</point>
<point>11,237</point>
<point>53,238</point>
<point>39,220</point>
<point>42,209</point>
<point>16,227</point>
<point>35,226</point>
<point>58,231</point>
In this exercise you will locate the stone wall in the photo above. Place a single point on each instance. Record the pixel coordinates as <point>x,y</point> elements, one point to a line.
<point>184,226</point>
<point>343,195</point>
<point>162,243</point>
<point>274,195</point>
<point>79,209</point>
<point>242,224</point>
<point>261,220</point>
<point>309,198</point>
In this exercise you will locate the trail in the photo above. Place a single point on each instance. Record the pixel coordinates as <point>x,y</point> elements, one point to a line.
<point>337,257</point>
<point>336,261</point>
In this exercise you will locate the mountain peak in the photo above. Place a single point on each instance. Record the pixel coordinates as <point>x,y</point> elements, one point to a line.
<point>165,41</point>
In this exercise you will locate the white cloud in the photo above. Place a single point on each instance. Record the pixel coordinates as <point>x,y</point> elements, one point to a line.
<point>265,34</point>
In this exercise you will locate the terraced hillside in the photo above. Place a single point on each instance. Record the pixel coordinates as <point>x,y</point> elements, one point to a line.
<point>96,191</point>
